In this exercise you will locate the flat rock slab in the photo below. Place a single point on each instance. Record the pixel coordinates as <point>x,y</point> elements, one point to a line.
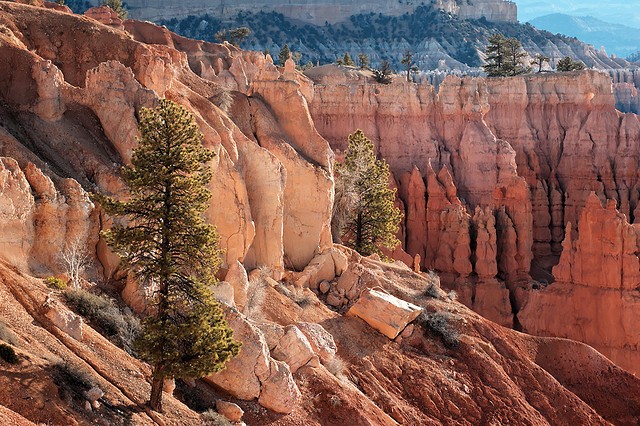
<point>384,312</point>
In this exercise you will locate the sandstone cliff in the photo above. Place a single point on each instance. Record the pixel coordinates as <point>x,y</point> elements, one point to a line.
<point>318,12</point>
<point>504,165</point>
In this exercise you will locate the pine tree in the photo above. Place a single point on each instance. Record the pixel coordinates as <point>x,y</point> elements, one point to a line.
<point>168,244</point>
<point>285,53</point>
<point>505,57</point>
<point>383,74</point>
<point>363,60</point>
<point>365,216</point>
<point>539,61</point>
<point>407,60</point>
<point>495,56</point>
<point>347,60</point>
<point>118,7</point>
<point>568,64</point>
<point>515,56</point>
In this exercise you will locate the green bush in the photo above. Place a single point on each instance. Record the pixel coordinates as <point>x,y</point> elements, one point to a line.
<point>55,282</point>
<point>8,354</point>
<point>102,312</point>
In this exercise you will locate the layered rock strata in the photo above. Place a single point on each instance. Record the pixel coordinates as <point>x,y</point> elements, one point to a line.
<point>502,165</point>
<point>595,296</point>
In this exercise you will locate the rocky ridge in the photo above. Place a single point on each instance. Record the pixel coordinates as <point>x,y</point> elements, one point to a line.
<point>318,12</point>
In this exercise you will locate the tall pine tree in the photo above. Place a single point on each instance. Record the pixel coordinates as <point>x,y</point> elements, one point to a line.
<point>365,216</point>
<point>168,245</point>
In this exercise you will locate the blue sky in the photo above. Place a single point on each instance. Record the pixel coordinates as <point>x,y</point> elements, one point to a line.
<point>621,12</point>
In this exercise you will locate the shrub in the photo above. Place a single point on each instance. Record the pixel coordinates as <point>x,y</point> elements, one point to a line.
<point>336,367</point>
<point>8,354</point>
<point>335,401</point>
<point>297,294</point>
<point>72,378</point>
<point>440,323</point>
<point>55,282</point>
<point>213,418</point>
<point>256,292</point>
<point>102,312</point>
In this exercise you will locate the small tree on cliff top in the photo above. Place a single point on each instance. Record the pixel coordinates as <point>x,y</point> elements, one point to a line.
<point>167,243</point>
<point>365,214</point>
<point>117,7</point>
<point>505,57</point>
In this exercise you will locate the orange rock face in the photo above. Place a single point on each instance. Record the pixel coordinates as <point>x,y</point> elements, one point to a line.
<point>594,299</point>
<point>506,164</point>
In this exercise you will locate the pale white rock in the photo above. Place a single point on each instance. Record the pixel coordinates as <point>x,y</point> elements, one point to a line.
<point>279,391</point>
<point>320,339</point>
<point>224,293</point>
<point>384,312</point>
<point>293,348</point>
<point>241,376</point>
<point>237,277</point>
<point>231,411</point>
<point>64,319</point>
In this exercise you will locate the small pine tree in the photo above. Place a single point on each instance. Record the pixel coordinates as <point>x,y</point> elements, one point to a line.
<point>568,64</point>
<point>514,59</point>
<point>383,74</point>
<point>347,60</point>
<point>539,61</point>
<point>363,60</point>
<point>118,7</point>
<point>495,56</point>
<point>365,216</point>
<point>285,53</point>
<point>407,60</point>
<point>505,57</point>
<point>167,243</point>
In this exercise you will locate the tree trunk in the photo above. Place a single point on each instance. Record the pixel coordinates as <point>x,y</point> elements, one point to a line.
<point>157,383</point>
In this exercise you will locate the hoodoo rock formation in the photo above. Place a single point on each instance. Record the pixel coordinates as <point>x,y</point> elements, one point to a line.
<point>503,164</point>
<point>490,174</point>
<point>595,296</point>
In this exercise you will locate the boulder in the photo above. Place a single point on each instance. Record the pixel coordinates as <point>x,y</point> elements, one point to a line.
<point>237,277</point>
<point>279,391</point>
<point>241,376</point>
<point>231,411</point>
<point>94,394</point>
<point>64,319</point>
<point>320,339</point>
<point>321,268</point>
<point>384,312</point>
<point>293,348</point>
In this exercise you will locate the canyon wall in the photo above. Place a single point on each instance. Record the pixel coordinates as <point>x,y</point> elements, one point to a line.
<point>490,172</point>
<point>260,172</point>
<point>318,12</point>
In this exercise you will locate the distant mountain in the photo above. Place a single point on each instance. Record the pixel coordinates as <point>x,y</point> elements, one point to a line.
<point>438,40</point>
<point>624,12</point>
<point>616,38</point>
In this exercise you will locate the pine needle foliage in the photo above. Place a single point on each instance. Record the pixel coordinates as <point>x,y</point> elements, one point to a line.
<point>365,212</point>
<point>505,57</point>
<point>166,242</point>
